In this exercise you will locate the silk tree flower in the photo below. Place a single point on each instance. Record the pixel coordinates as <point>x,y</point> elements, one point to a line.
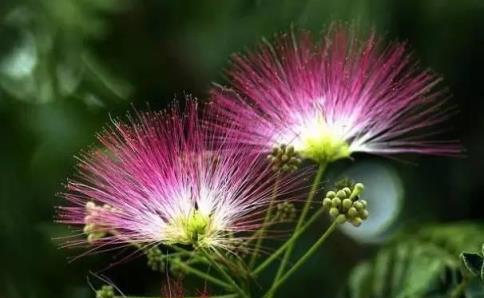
<point>332,99</point>
<point>162,178</point>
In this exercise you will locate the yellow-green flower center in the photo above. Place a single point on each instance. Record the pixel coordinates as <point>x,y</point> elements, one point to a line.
<point>317,141</point>
<point>323,147</point>
<point>195,229</point>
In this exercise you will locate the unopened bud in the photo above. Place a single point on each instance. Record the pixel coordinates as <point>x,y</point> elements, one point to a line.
<point>341,194</point>
<point>358,205</point>
<point>357,190</point>
<point>347,191</point>
<point>155,259</point>
<point>327,202</point>
<point>105,292</point>
<point>176,267</point>
<point>364,214</point>
<point>285,211</point>
<point>356,221</point>
<point>333,212</point>
<point>340,219</point>
<point>284,158</point>
<point>359,187</point>
<point>352,212</point>
<point>336,202</point>
<point>347,203</point>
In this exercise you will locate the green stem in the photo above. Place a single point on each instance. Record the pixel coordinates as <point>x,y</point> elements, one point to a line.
<point>260,233</point>
<point>293,238</point>
<point>302,260</point>
<point>205,276</point>
<point>225,275</point>
<point>302,217</point>
<point>191,254</point>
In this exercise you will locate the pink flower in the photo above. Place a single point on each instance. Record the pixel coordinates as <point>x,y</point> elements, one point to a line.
<point>162,179</point>
<point>331,99</point>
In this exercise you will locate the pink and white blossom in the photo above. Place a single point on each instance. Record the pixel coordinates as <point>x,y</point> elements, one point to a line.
<point>164,179</point>
<point>332,99</point>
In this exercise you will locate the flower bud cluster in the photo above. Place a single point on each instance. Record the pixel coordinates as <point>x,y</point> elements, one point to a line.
<point>285,211</point>
<point>155,259</point>
<point>105,292</point>
<point>345,205</point>
<point>284,158</point>
<point>93,227</point>
<point>176,267</point>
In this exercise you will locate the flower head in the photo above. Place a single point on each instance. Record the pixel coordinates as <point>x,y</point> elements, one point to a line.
<point>162,178</point>
<point>332,99</point>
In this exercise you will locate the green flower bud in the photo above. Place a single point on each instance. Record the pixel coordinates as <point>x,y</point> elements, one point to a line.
<point>352,212</point>
<point>341,194</point>
<point>347,191</point>
<point>347,203</point>
<point>356,221</point>
<point>336,202</point>
<point>358,205</point>
<point>357,190</point>
<point>327,202</point>
<point>285,211</point>
<point>176,267</point>
<point>359,187</point>
<point>155,259</point>
<point>105,292</point>
<point>284,158</point>
<point>333,212</point>
<point>340,219</point>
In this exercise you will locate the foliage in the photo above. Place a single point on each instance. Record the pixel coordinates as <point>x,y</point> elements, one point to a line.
<point>422,263</point>
<point>50,58</point>
<point>474,262</point>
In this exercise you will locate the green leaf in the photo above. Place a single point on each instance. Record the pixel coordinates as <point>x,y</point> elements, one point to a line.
<point>418,263</point>
<point>472,261</point>
<point>482,271</point>
<point>475,289</point>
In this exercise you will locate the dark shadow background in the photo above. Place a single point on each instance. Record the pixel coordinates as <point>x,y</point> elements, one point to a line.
<point>67,65</point>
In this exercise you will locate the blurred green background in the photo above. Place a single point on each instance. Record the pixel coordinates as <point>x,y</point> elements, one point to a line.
<point>67,66</point>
